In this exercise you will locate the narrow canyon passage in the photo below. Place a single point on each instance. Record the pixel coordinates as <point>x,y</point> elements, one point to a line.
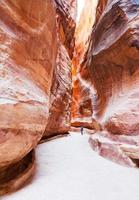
<point>67,65</point>
<point>68,169</point>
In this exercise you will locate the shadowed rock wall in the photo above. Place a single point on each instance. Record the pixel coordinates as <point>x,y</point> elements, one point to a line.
<point>82,107</point>
<point>60,99</point>
<point>36,49</point>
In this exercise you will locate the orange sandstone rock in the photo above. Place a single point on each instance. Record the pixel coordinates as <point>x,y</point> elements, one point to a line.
<point>28,50</point>
<point>60,99</point>
<point>82,106</point>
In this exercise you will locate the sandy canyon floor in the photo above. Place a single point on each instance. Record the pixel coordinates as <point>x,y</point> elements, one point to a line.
<point>68,169</point>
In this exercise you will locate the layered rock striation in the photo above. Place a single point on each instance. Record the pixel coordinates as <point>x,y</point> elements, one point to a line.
<point>52,77</point>
<point>28,51</point>
<point>61,90</point>
<point>82,107</point>
<point>113,63</point>
<point>36,49</point>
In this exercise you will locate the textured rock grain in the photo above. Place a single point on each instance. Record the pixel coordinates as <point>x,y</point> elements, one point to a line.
<point>82,107</point>
<point>113,63</point>
<point>27,59</point>
<point>60,99</point>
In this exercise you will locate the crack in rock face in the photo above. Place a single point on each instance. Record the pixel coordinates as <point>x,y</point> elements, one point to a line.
<point>64,65</point>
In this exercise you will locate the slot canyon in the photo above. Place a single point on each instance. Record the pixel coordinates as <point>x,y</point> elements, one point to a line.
<point>67,65</point>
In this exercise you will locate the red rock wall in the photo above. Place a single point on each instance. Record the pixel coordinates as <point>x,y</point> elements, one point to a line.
<point>60,100</point>
<point>37,43</point>
<point>82,108</point>
<point>113,63</point>
<point>36,52</point>
<point>28,50</point>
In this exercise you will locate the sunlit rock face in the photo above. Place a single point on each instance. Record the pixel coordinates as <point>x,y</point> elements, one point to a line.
<point>60,99</point>
<point>41,95</point>
<point>113,63</point>
<point>82,108</point>
<point>28,51</point>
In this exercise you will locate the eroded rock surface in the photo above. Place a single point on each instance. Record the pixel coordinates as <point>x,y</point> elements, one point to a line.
<point>113,63</point>
<point>36,80</point>
<point>60,99</point>
<point>82,108</point>
<point>37,44</point>
<point>28,50</point>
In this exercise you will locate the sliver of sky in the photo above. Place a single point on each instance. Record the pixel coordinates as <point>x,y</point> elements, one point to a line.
<point>80,5</point>
<point>136,2</point>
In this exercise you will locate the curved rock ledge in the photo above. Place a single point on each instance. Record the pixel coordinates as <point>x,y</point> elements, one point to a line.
<point>16,175</point>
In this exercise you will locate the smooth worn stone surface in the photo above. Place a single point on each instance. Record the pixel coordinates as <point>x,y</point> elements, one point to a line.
<point>56,73</point>
<point>16,175</point>
<point>28,51</point>
<point>118,148</point>
<point>113,63</point>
